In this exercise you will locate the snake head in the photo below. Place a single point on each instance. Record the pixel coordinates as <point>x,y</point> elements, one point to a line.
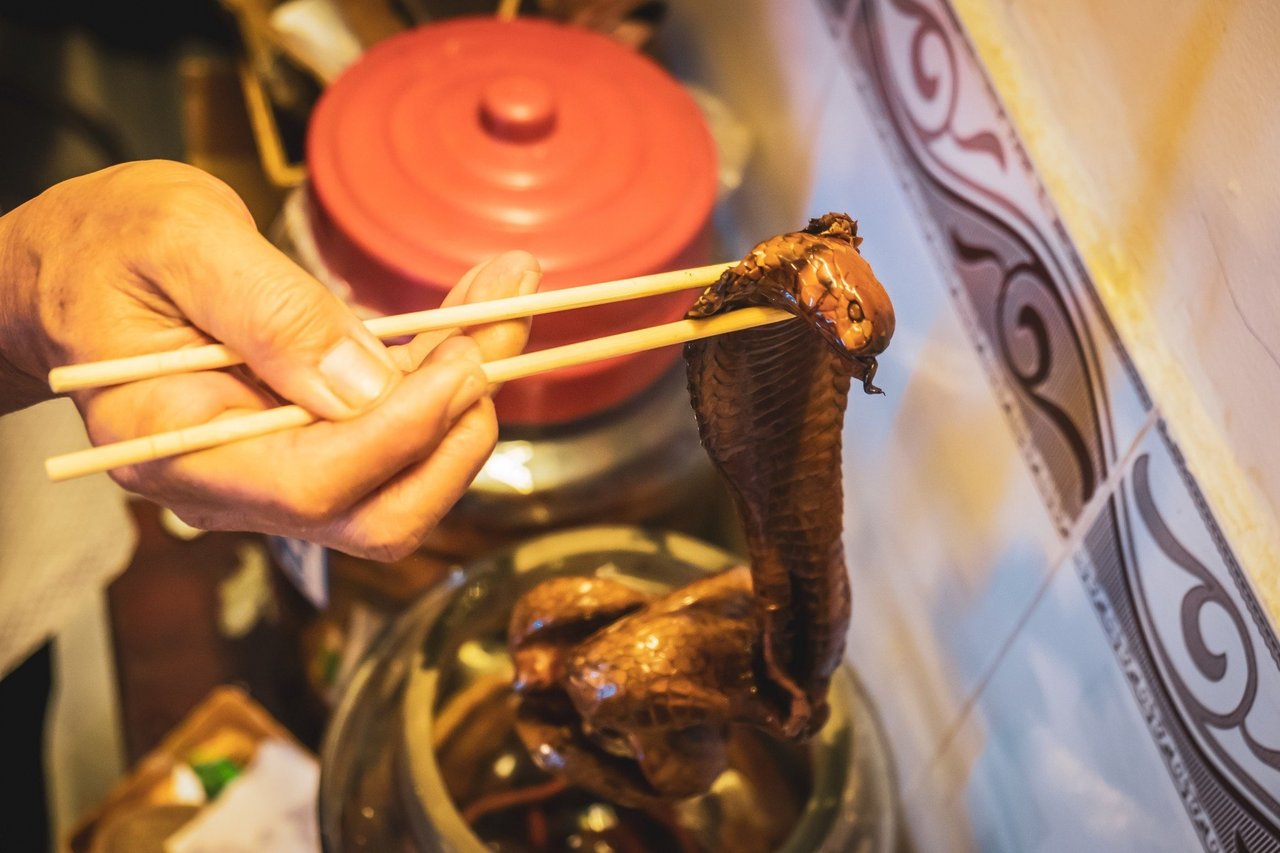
<point>838,292</point>
<point>858,309</point>
<point>820,275</point>
<point>836,226</point>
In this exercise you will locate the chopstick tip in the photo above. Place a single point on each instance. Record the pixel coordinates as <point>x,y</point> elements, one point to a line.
<point>57,381</point>
<point>55,471</point>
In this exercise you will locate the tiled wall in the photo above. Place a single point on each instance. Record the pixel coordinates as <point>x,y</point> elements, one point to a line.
<point>1063,647</point>
<point>1155,124</point>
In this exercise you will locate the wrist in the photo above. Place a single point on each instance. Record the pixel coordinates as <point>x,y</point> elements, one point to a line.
<point>22,382</point>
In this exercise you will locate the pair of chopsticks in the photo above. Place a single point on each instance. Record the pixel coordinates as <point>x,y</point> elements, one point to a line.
<point>214,356</point>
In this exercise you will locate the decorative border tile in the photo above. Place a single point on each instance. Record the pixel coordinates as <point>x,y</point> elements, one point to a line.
<point>1193,644</point>
<point>1186,628</point>
<point>1205,640</point>
<point>1036,319</point>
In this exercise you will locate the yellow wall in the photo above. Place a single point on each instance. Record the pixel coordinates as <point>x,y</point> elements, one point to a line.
<point>1156,125</point>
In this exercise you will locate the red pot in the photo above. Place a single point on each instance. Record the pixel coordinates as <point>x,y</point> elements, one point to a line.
<point>447,144</point>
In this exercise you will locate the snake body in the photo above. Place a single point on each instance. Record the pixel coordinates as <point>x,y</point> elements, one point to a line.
<point>633,696</point>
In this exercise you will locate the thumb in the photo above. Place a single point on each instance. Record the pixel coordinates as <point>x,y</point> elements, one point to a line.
<point>289,328</point>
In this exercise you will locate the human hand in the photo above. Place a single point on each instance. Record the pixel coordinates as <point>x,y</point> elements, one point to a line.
<point>154,256</point>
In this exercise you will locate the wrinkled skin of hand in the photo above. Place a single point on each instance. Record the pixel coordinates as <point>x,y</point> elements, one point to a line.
<point>154,256</point>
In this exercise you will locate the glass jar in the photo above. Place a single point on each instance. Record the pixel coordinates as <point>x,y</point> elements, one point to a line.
<point>428,714</point>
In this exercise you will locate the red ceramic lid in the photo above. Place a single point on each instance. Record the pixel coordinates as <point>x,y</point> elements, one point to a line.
<point>449,143</point>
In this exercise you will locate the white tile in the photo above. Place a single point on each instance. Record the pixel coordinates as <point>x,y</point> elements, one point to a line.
<point>1054,755</point>
<point>1203,630</point>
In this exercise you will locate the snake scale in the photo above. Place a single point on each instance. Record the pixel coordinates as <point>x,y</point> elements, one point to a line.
<point>632,696</point>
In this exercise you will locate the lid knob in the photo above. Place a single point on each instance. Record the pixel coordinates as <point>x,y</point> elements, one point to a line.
<point>517,108</point>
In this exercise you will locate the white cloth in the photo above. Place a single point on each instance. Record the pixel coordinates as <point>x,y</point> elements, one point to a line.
<point>269,808</point>
<point>57,540</point>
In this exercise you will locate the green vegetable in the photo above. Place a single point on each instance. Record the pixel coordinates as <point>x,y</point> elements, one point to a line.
<point>214,775</point>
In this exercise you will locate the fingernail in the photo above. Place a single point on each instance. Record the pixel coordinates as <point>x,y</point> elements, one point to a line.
<point>355,375</point>
<point>465,396</point>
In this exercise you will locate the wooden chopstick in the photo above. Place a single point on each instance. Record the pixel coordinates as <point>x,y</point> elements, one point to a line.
<point>215,433</point>
<point>74,377</point>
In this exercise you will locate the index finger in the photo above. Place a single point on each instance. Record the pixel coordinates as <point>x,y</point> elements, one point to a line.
<point>508,274</point>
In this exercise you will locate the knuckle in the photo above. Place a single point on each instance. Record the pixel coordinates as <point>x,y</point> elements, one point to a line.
<point>486,432</point>
<point>391,534</point>
<point>476,433</point>
<point>171,175</point>
<point>311,504</point>
<point>128,479</point>
<point>284,313</point>
<point>170,199</point>
<point>391,552</point>
<point>202,518</point>
<point>390,549</point>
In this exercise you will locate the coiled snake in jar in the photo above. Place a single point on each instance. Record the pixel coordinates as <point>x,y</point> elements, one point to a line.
<point>632,697</point>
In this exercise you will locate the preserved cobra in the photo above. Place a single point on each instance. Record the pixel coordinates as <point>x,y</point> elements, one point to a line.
<point>633,696</point>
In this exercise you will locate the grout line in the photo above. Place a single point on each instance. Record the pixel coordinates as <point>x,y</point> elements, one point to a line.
<point>1066,552</point>
<point>962,715</point>
<point>1102,495</point>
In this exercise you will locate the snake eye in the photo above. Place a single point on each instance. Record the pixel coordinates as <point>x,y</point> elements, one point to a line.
<point>855,312</point>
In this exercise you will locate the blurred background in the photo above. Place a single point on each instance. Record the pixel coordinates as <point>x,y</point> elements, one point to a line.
<point>1061,521</point>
